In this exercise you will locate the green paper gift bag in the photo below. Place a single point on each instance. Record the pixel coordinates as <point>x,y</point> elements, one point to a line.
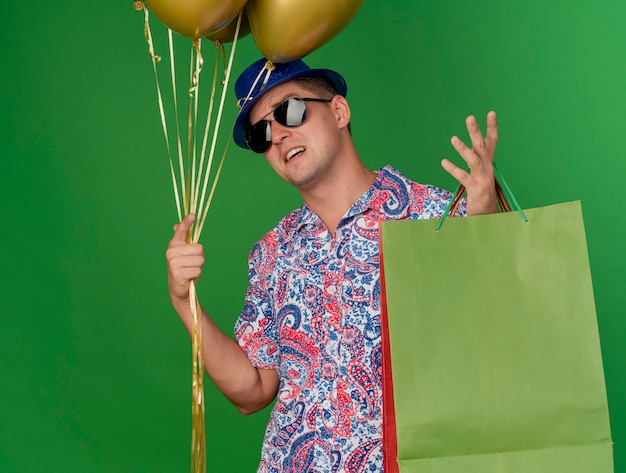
<point>494,350</point>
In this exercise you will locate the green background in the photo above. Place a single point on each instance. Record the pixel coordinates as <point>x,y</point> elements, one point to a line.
<point>95,364</point>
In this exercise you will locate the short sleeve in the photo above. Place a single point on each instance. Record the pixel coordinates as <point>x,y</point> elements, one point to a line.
<point>435,201</point>
<point>255,329</point>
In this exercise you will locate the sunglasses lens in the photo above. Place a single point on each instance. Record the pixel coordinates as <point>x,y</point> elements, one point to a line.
<point>259,136</point>
<point>291,112</point>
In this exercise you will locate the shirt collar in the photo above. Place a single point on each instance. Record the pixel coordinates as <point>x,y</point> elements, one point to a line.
<point>375,199</point>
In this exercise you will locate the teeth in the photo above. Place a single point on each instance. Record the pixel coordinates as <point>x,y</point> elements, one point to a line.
<point>293,152</point>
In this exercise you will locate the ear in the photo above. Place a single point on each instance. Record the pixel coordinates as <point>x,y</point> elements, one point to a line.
<point>342,110</point>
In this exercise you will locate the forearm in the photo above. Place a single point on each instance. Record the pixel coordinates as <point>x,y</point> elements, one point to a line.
<point>248,388</point>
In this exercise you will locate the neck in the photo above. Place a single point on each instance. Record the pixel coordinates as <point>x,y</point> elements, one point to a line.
<point>331,199</point>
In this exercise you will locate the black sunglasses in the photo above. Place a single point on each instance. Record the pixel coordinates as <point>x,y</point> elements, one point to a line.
<point>290,113</point>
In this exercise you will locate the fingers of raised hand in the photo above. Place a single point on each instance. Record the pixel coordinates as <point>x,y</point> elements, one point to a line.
<point>456,172</point>
<point>468,154</point>
<point>483,146</point>
<point>476,137</point>
<point>478,181</point>
<point>492,130</point>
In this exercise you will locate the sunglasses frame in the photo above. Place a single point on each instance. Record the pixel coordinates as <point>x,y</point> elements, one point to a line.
<point>282,119</point>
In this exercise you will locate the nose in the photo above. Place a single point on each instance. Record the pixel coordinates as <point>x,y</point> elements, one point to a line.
<point>279,132</point>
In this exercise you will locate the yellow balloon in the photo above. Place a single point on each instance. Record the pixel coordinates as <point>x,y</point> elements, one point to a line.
<point>196,18</point>
<point>285,30</point>
<point>227,34</point>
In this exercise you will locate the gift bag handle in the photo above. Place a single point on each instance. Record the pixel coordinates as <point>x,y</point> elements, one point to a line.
<point>503,193</point>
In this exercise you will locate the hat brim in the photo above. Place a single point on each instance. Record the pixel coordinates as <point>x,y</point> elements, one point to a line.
<point>241,122</point>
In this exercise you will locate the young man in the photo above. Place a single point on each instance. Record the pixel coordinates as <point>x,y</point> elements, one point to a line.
<point>309,334</point>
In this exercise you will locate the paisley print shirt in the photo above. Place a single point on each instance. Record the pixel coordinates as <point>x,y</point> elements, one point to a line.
<point>312,313</point>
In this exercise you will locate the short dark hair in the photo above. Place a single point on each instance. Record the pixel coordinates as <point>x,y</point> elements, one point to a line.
<point>316,85</point>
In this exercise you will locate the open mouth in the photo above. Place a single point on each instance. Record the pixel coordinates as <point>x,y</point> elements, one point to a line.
<point>294,152</point>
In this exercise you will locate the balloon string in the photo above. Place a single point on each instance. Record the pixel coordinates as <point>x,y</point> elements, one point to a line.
<point>206,131</point>
<point>222,49</point>
<point>194,96</point>
<point>155,60</point>
<point>210,198</point>
<point>198,446</point>
<point>195,81</point>
<point>269,66</point>
<point>198,430</point>
<point>198,409</point>
<point>267,69</point>
<point>191,174</point>
<point>198,228</point>
<point>190,131</point>
<point>181,164</point>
